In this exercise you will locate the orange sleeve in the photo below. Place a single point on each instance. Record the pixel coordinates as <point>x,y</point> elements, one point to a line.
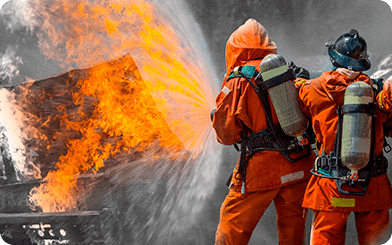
<point>300,82</point>
<point>384,98</point>
<point>312,102</point>
<point>226,123</point>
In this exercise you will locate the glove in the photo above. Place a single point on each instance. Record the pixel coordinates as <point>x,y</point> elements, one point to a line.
<point>299,71</point>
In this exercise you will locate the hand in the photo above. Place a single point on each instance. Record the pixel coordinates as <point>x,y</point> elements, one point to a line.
<point>299,71</point>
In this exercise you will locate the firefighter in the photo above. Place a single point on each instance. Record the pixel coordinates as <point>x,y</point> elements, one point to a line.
<point>340,186</point>
<point>267,171</point>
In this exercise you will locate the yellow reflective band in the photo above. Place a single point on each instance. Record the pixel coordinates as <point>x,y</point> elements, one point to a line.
<point>316,145</point>
<point>342,202</point>
<point>379,100</point>
<point>298,82</point>
<point>274,72</point>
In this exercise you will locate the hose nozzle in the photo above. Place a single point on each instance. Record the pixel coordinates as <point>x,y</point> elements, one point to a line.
<point>212,114</point>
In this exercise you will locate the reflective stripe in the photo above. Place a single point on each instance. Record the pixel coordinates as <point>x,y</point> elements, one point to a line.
<point>226,90</point>
<point>274,72</point>
<point>342,202</point>
<point>291,177</point>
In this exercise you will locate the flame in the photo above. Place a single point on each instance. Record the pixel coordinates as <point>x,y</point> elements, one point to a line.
<point>131,108</point>
<point>123,112</point>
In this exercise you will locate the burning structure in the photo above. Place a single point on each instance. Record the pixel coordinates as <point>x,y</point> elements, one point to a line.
<point>113,152</point>
<point>85,142</point>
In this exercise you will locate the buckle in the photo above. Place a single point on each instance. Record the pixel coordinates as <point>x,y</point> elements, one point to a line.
<point>258,141</point>
<point>237,70</point>
<point>323,161</point>
<point>262,139</point>
<point>238,176</point>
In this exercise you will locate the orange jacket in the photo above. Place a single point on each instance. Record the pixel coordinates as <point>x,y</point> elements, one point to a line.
<point>238,104</point>
<point>384,98</point>
<point>321,97</point>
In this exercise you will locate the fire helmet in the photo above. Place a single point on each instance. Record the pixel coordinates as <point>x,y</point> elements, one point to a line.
<point>350,51</point>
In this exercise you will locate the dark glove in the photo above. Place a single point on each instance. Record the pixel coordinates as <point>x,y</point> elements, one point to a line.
<point>378,84</point>
<point>299,71</point>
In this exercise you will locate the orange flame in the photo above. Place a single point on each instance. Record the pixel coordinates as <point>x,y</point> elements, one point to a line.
<point>129,112</point>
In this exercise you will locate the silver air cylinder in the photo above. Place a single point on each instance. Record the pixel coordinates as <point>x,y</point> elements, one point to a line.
<point>357,127</point>
<point>283,96</point>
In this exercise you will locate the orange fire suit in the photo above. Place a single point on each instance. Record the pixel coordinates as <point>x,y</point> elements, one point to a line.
<point>269,175</point>
<point>321,97</point>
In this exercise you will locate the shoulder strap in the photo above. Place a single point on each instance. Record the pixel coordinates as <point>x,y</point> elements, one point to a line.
<point>248,72</point>
<point>377,86</point>
<point>243,71</point>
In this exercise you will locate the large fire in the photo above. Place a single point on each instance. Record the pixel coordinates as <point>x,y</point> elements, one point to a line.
<point>129,104</point>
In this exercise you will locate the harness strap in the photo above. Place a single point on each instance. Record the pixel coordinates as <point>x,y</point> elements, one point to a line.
<point>243,71</point>
<point>241,168</point>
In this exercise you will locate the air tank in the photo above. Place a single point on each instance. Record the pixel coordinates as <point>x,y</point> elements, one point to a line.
<point>283,96</point>
<point>357,127</point>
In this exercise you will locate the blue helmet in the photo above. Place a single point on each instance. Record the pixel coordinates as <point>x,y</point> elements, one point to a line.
<point>350,51</point>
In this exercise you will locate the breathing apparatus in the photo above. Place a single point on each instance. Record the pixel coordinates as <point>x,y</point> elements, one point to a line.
<point>352,162</point>
<point>274,81</point>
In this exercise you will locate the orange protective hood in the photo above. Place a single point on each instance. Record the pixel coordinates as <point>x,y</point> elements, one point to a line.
<point>335,83</point>
<point>249,42</point>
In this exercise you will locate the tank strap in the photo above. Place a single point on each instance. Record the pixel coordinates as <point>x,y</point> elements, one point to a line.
<point>272,82</point>
<point>359,108</point>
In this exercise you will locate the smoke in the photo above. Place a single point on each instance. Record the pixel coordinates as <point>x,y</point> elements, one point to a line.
<point>299,28</point>
<point>10,64</point>
<point>19,15</point>
<point>383,69</point>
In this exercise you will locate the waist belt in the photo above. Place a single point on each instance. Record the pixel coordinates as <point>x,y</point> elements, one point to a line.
<point>263,140</point>
<point>275,141</point>
<point>328,166</point>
